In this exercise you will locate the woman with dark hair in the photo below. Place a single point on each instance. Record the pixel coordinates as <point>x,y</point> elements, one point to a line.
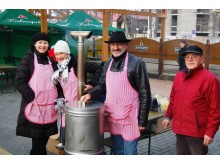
<point>37,118</point>
<point>180,59</point>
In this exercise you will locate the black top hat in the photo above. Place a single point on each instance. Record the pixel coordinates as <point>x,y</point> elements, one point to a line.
<point>193,49</point>
<point>117,36</point>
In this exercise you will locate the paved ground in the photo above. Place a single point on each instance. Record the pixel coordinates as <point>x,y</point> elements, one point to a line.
<point>162,144</point>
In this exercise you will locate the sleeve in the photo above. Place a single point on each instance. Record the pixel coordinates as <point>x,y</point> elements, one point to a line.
<point>60,91</point>
<point>144,92</point>
<point>95,70</point>
<point>169,112</point>
<point>23,75</point>
<point>212,95</point>
<point>73,63</point>
<point>100,88</point>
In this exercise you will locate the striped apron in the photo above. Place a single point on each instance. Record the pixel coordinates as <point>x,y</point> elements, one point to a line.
<point>41,109</point>
<point>121,105</point>
<point>69,89</point>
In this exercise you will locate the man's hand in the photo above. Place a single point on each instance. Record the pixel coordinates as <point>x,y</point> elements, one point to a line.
<point>85,98</point>
<point>165,123</point>
<point>207,140</point>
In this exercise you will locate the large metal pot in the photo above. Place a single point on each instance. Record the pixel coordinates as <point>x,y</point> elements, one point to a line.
<point>84,128</point>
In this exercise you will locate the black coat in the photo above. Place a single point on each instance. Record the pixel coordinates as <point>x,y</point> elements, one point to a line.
<point>23,75</point>
<point>180,59</point>
<point>92,68</point>
<point>138,78</point>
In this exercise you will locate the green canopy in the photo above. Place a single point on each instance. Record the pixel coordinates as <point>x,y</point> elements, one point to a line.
<point>17,26</point>
<point>15,20</point>
<point>80,21</point>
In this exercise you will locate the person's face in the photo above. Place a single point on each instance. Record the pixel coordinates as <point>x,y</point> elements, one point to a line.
<point>60,56</point>
<point>182,44</point>
<point>118,48</point>
<point>41,46</point>
<point>192,60</point>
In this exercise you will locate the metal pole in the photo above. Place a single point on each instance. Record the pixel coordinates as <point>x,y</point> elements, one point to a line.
<point>81,59</point>
<point>81,67</point>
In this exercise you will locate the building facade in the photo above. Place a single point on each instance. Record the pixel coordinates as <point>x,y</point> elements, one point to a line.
<point>193,24</point>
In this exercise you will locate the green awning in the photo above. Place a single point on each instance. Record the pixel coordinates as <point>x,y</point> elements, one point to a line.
<point>80,21</point>
<point>17,26</point>
<point>15,20</point>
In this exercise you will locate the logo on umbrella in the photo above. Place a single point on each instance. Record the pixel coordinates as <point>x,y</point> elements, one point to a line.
<point>87,20</point>
<point>22,16</point>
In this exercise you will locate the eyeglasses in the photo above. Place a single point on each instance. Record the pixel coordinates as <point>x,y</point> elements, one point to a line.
<point>189,56</point>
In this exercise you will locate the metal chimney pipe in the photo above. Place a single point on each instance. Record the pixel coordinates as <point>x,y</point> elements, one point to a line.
<point>81,59</point>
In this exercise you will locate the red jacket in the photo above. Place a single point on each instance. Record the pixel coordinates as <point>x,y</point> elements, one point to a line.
<point>195,103</point>
<point>52,54</point>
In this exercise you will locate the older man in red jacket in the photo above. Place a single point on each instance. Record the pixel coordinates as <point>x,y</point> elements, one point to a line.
<point>194,105</point>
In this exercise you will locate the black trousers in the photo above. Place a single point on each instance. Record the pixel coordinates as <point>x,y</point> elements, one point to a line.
<point>39,146</point>
<point>187,145</point>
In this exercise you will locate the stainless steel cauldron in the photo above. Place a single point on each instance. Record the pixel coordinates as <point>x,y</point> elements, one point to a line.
<point>84,128</point>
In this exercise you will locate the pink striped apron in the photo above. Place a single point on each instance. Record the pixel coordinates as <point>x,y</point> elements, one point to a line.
<point>41,109</point>
<point>69,90</point>
<point>122,105</point>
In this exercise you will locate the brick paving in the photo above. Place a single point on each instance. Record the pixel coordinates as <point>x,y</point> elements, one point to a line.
<point>162,144</point>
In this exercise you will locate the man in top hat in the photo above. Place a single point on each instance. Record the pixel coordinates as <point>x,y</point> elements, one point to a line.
<point>128,96</point>
<point>194,105</point>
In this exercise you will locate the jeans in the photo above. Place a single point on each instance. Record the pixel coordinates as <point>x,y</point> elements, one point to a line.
<point>123,147</point>
<point>187,145</point>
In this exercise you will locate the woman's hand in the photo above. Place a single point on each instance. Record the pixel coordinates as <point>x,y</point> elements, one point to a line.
<point>88,88</point>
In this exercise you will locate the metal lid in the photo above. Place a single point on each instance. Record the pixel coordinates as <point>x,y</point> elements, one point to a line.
<point>77,107</point>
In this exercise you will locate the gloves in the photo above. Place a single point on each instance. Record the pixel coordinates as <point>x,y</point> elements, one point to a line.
<point>59,105</point>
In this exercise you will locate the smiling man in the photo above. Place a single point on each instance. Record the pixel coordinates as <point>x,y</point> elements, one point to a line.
<point>128,97</point>
<point>194,105</point>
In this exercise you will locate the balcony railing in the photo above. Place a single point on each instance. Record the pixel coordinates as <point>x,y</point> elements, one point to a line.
<point>174,11</point>
<point>203,11</point>
<point>173,28</point>
<point>202,28</point>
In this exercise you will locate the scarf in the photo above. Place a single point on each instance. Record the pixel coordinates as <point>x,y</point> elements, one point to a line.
<point>62,71</point>
<point>41,55</point>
